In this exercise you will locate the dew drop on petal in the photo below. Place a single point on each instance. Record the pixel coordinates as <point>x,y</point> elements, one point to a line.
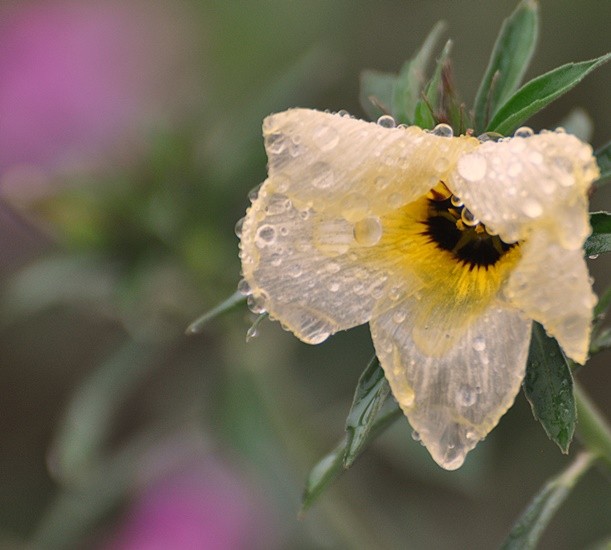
<point>443,130</point>
<point>322,175</point>
<point>523,132</point>
<point>343,113</point>
<point>244,287</point>
<point>368,232</point>
<point>238,227</point>
<point>265,236</point>
<point>333,286</point>
<point>257,303</point>
<point>415,435</point>
<point>593,256</point>
<point>294,271</point>
<point>387,121</point>
<point>275,143</point>
<point>254,193</point>
<point>472,167</point>
<point>441,164</point>
<point>466,396</point>
<point>479,344</point>
<point>325,137</point>
<point>456,201</point>
<point>532,208</point>
<point>395,200</point>
<point>333,267</point>
<point>468,218</point>
<point>399,316</point>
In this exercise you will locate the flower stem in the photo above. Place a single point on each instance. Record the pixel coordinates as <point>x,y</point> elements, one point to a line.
<point>592,428</point>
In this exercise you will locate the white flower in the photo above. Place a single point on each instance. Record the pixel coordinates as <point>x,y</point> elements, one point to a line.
<point>449,247</point>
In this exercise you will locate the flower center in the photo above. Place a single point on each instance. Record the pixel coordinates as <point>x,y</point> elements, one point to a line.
<point>452,227</point>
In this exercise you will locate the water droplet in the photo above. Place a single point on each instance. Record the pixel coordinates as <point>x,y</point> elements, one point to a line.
<point>394,293</point>
<point>275,260</point>
<point>523,132</point>
<point>251,333</point>
<point>593,256</point>
<point>560,130</point>
<point>456,201</point>
<point>265,236</point>
<point>294,271</point>
<point>387,121</point>
<point>322,175</point>
<point>479,344</point>
<point>466,396</point>
<point>343,113</point>
<point>333,286</point>
<point>257,303</point>
<point>399,316</point>
<point>415,435</point>
<point>395,200</point>
<point>332,267</point>
<point>441,164</point>
<point>325,137</point>
<point>275,143</point>
<point>472,167</point>
<point>244,287</point>
<point>239,226</point>
<point>368,232</point>
<point>381,182</point>
<point>254,193</point>
<point>468,217</point>
<point>443,130</point>
<point>532,208</point>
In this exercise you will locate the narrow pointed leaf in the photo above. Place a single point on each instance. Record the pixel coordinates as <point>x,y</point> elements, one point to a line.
<point>529,528</point>
<point>234,300</point>
<point>603,157</point>
<point>371,393</point>
<point>376,92</point>
<point>540,92</point>
<point>423,116</point>
<point>412,78</point>
<point>332,466</point>
<point>603,304</point>
<point>508,63</point>
<point>548,386</point>
<point>599,241</point>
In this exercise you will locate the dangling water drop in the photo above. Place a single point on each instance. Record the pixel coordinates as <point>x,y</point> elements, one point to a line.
<point>523,132</point>
<point>368,232</point>
<point>238,227</point>
<point>468,217</point>
<point>456,201</point>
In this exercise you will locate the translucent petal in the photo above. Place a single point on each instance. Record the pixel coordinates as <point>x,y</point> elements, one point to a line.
<point>552,286</point>
<point>455,398</point>
<point>519,183</point>
<point>353,168</point>
<point>310,272</point>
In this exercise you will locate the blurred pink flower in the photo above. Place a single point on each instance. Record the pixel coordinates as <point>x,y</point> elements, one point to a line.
<point>75,77</point>
<point>203,506</point>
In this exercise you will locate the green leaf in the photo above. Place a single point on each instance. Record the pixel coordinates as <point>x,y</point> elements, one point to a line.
<point>548,386</point>
<point>529,528</point>
<point>426,114</point>
<point>412,77</point>
<point>540,92</point>
<point>237,298</point>
<point>371,393</point>
<point>603,157</point>
<point>599,241</point>
<point>376,92</point>
<point>330,467</point>
<point>594,431</point>
<point>508,63</point>
<point>603,304</point>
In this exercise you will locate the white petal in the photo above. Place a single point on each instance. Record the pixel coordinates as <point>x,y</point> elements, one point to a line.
<point>552,286</point>
<point>306,269</point>
<point>354,168</point>
<point>519,183</point>
<point>454,399</point>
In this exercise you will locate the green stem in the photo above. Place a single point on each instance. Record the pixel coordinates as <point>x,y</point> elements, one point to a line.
<point>592,428</point>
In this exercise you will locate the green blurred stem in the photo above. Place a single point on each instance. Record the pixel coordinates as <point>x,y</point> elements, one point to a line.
<point>592,428</point>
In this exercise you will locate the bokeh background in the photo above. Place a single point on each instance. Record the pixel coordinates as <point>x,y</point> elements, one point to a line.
<point>129,139</point>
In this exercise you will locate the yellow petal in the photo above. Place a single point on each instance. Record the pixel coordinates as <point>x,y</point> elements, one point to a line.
<point>351,168</point>
<point>455,399</point>
<point>552,286</point>
<point>519,184</point>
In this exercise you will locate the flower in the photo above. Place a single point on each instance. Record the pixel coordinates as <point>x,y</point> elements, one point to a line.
<point>448,246</point>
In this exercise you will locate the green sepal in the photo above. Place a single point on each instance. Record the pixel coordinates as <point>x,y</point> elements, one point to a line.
<point>599,242</point>
<point>428,111</point>
<point>540,92</point>
<point>548,386</point>
<point>370,394</point>
<point>530,526</point>
<point>603,158</point>
<point>237,298</point>
<point>509,60</point>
